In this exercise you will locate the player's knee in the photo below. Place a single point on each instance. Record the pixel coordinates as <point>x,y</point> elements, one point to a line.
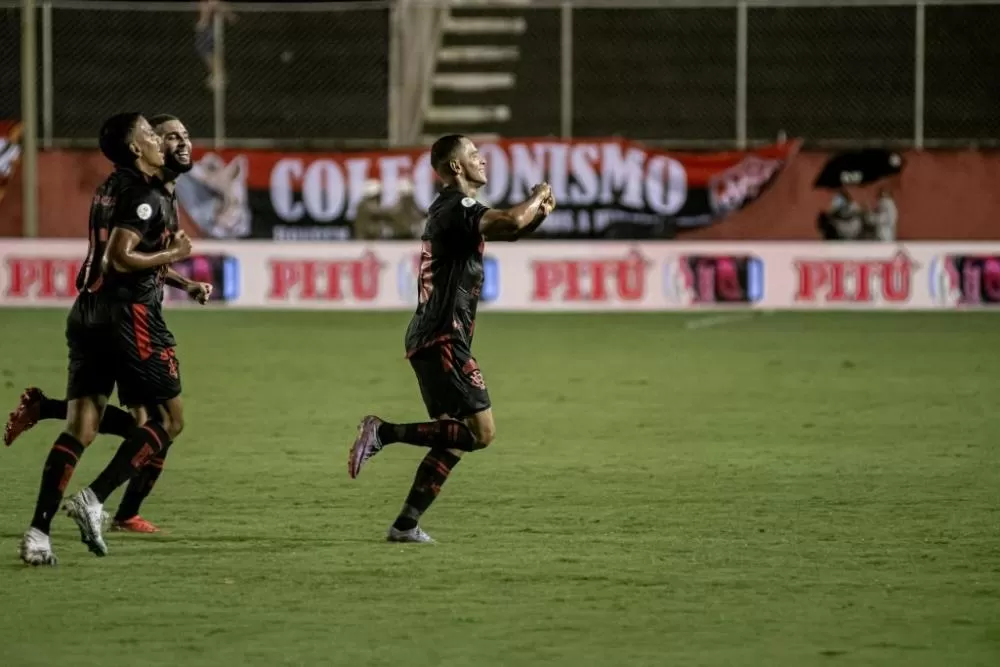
<point>175,424</point>
<point>170,416</point>
<point>176,427</point>
<point>485,434</point>
<point>83,419</point>
<point>84,433</point>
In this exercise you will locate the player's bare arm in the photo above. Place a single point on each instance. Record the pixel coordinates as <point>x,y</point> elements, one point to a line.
<point>520,220</point>
<point>200,292</point>
<point>122,255</point>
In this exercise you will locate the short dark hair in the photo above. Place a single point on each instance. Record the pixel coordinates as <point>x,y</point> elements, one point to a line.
<point>114,138</point>
<point>444,150</point>
<point>161,118</point>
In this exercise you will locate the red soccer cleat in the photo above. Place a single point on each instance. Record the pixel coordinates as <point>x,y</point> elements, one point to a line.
<point>134,525</point>
<point>24,416</point>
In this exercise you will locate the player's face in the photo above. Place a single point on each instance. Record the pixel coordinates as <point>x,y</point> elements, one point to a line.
<point>176,146</point>
<point>473,164</point>
<point>146,144</point>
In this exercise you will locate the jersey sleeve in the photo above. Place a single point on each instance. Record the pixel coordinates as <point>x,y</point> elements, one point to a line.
<point>465,216</point>
<point>136,209</point>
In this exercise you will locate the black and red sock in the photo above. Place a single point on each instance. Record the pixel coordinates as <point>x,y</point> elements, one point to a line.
<point>140,486</point>
<point>59,467</point>
<point>53,408</point>
<point>439,434</point>
<point>132,456</point>
<point>115,421</point>
<point>431,475</point>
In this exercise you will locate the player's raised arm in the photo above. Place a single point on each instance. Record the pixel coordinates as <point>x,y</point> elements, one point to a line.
<point>462,169</point>
<point>518,221</point>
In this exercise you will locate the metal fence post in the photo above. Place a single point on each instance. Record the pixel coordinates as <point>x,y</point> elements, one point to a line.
<point>920,47</point>
<point>47,90</point>
<point>29,118</point>
<point>393,131</point>
<point>566,73</point>
<point>742,55</point>
<point>219,89</point>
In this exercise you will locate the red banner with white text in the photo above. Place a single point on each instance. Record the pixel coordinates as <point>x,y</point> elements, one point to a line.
<point>606,189</point>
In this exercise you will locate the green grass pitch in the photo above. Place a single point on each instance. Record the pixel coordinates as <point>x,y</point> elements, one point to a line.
<point>787,490</point>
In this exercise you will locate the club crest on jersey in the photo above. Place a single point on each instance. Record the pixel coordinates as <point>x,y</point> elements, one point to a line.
<point>468,202</point>
<point>144,211</point>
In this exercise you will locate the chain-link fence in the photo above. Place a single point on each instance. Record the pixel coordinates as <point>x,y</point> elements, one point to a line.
<point>654,73</point>
<point>831,73</point>
<point>962,72</point>
<point>835,74</point>
<point>288,72</point>
<point>724,73</point>
<point>10,61</point>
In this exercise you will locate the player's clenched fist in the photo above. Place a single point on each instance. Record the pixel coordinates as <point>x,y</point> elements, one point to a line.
<point>181,245</point>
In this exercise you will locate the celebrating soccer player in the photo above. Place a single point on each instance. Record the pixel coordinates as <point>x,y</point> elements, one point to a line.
<point>35,406</point>
<point>439,338</point>
<point>116,334</point>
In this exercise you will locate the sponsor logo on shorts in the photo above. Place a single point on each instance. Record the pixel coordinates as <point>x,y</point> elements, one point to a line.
<point>474,375</point>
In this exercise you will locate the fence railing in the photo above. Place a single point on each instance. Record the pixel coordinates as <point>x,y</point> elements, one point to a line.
<point>696,74</point>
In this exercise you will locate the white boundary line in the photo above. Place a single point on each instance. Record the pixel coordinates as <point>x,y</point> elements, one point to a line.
<point>720,320</point>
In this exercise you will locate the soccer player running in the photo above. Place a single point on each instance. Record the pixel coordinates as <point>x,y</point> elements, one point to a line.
<point>439,337</point>
<point>35,406</point>
<point>116,334</point>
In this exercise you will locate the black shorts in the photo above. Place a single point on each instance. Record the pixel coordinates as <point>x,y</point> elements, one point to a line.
<point>92,358</point>
<point>147,368</point>
<point>450,380</point>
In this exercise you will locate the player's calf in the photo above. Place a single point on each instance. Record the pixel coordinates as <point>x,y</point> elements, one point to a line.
<point>441,434</point>
<point>444,433</point>
<point>431,475</point>
<point>81,428</point>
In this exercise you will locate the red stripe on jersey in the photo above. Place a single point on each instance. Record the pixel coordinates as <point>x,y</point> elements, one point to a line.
<point>140,326</point>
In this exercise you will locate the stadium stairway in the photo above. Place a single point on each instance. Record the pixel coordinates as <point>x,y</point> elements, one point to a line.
<point>476,69</point>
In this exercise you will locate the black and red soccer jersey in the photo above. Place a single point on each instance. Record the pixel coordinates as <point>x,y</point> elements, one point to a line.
<point>451,272</point>
<point>127,199</point>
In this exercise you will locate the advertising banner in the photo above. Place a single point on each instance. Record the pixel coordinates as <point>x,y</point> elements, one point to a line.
<point>605,188</point>
<point>556,276</point>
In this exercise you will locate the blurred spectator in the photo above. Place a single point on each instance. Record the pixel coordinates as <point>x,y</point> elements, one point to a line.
<point>370,217</point>
<point>882,219</point>
<point>406,218</point>
<point>844,220</point>
<point>204,36</point>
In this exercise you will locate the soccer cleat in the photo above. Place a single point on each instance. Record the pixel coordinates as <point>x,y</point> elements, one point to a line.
<point>415,535</point>
<point>134,525</point>
<point>89,516</point>
<point>36,549</point>
<point>366,445</point>
<point>24,416</point>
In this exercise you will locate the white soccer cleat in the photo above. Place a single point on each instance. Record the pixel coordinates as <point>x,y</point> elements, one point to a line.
<point>414,535</point>
<point>89,516</point>
<point>36,548</point>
